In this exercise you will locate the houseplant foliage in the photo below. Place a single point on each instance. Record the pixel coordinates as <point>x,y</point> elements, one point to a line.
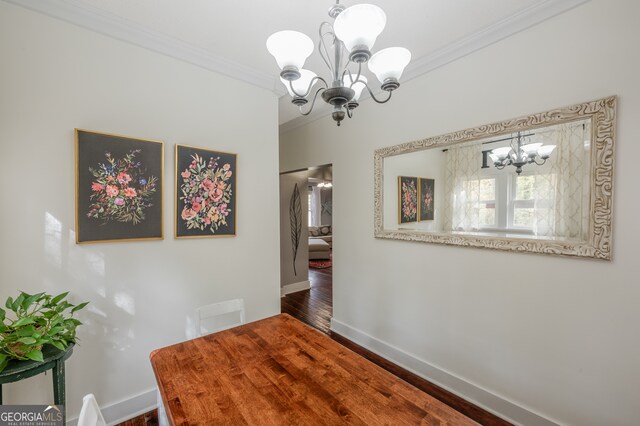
<point>31,321</point>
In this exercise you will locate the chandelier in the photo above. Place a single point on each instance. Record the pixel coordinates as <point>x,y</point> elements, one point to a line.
<point>520,154</point>
<point>350,38</point>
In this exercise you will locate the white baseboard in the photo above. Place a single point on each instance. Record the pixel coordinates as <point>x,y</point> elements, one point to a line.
<point>126,409</point>
<point>292,288</point>
<point>470,392</point>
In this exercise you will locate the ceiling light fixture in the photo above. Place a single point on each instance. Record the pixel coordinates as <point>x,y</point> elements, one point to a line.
<point>351,37</point>
<point>520,154</point>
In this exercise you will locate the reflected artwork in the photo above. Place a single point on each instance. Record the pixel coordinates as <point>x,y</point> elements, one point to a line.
<point>426,195</point>
<point>407,199</point>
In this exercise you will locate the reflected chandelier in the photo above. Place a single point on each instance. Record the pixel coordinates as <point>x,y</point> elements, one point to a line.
<point>353,33</point>
<point>520,154</point>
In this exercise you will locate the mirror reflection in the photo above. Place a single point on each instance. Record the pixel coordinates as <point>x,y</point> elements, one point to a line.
<point>529,184</point>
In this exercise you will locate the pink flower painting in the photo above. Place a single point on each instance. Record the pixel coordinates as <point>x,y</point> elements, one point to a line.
<point>205,193</point>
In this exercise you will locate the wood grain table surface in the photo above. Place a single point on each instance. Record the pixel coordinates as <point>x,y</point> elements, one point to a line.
<point>279,371</point>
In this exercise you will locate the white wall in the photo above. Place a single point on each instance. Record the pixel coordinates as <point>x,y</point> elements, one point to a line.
<point>54,77</point>
<point>556,336</point>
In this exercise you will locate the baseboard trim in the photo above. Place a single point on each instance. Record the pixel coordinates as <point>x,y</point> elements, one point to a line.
<point>292,288</point>
<point>470,392</point>
<point>126,409</point>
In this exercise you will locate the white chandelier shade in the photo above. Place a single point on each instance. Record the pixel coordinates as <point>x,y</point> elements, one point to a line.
<point>360,25</point>
<point>546,150</point>
<point>389,63</point>
<point>358,86</point>
<point>290,48</point>
<point>301,85</point>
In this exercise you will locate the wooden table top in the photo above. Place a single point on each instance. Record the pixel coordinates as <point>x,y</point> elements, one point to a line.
<point>279,371</point>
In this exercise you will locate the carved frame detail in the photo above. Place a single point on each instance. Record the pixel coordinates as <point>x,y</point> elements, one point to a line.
<point>602,113</point>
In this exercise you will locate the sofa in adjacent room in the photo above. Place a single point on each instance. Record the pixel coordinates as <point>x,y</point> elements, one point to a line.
<point>323,232</point>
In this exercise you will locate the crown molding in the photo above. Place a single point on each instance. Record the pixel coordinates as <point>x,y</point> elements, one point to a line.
<point>520,21</point>
<point>94,19</point>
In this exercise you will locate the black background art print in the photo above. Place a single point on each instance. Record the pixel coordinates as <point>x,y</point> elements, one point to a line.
<point>206,193</point>
<point>118,188</point>
<point>427,199</point>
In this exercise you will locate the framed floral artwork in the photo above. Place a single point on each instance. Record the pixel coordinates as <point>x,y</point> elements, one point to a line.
<point>426,192</point>
<point>407,199</point>
<point>206,193</point>
<point>118,188</point>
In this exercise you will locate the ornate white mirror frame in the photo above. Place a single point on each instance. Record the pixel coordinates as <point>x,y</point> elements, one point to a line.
<point>602,114</point>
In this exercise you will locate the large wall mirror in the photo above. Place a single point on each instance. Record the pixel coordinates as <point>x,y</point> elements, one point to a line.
<point>540,183</point>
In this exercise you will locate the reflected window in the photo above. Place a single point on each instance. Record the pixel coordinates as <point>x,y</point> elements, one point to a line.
<point>532,201</point>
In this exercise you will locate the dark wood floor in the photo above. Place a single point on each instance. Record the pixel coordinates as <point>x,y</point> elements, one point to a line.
<point>315,308</point>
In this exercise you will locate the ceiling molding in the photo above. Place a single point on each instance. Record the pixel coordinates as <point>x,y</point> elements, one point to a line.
<point>78,13</point>
<point>520,21</point>
<point>91,18</point>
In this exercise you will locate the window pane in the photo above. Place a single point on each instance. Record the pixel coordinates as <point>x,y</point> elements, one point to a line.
<point>523,217</point>
<point>487,215</point>
<point>487,189</point>
<point>525,187</point>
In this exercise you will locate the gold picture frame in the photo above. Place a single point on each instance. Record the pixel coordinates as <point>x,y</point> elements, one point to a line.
<point>119,188</point>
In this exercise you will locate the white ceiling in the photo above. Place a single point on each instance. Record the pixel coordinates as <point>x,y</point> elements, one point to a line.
<point>232,34</point>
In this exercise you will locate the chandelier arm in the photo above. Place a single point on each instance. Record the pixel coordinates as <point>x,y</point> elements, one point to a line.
<point>311,83</point>
<point>322,47</point>
<point>312,103</point>
<point>349,113</point>
<point>374,97</point>
<point>359,73</point>
<point>535,160</point>
<point>357,79</point>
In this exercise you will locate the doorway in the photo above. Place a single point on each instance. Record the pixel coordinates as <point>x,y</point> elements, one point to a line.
<point>312,302</point>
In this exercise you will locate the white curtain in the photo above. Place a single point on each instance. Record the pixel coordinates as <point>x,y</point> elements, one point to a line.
<point>314,209</point>
<point>462,186</point>
<point>569,176</point>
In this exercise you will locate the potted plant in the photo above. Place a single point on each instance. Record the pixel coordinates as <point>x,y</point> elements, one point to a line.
<point>31,321</point>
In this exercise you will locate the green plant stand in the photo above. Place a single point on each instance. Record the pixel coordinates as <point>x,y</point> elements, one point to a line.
<point>53,360</point>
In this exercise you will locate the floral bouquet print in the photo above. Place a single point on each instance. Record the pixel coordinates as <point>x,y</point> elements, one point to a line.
<point>206,193</point>
<point>409,200</point>
<point>120,190</point>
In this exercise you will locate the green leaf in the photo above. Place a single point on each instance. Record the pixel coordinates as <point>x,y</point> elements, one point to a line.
<point>30,300</point>
<point>80,306</point>
<point>18,302</point>
<point>3,364</point>
<point>9,303</point>
<point>27,331</point>
<point>35,355</point>
<point>58,344</point>
<point>27,340</point>
<point>55,330</point>
<point>3,314</point>
<point>59,297</point>
<point>23,321</point>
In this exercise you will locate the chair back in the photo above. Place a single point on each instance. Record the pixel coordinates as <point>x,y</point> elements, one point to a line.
<point>90,414</point>
<point>219,316</point>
